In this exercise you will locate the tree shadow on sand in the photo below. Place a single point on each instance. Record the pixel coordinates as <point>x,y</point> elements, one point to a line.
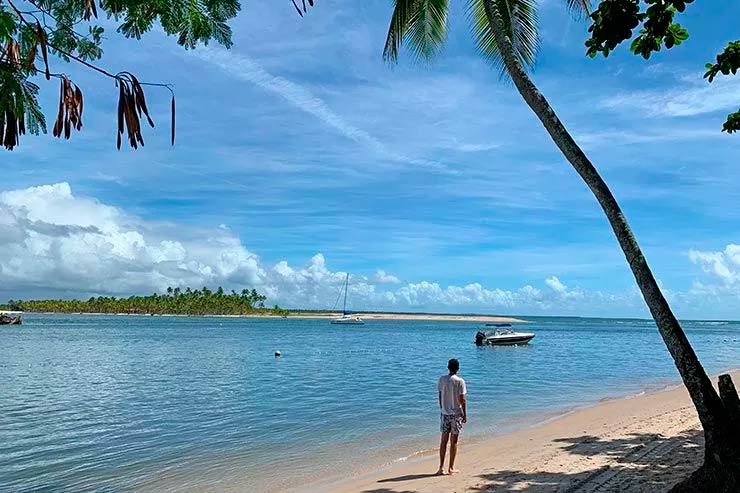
<point>645,463</point>
<point>642,463</point>
<point>390,490</point>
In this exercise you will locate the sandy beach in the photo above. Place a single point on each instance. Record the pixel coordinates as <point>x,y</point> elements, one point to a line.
<point>638,444</point>
<point>328,315</point>
<point>417,316</point>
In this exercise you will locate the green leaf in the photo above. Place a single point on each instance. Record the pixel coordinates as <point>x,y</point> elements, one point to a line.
<point>419,24</point>
<point>732,124</point>
<point>520,18</point>
<point>579,7</point>
<point>7,24</point>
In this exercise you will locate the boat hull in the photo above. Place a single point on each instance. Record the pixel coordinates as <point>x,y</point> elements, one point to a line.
<point>341,321</point>
<point>509,340</point>
<point>5,320</point>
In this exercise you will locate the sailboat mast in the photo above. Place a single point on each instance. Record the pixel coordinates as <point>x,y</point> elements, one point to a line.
<point>346,288</point>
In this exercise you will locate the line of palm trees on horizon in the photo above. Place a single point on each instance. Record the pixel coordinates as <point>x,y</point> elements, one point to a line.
<point>175,301</point>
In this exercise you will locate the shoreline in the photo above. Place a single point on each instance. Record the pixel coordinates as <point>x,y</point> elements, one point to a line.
<point>645,442</point>
<point>320,316</point>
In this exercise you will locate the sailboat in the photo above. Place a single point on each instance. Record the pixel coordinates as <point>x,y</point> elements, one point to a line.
<point>347,318</point>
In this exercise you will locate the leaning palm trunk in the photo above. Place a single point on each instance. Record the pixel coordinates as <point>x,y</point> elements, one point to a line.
<point>722,444</point>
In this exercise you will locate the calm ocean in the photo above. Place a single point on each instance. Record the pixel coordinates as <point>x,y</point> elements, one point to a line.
<point>178,404</point>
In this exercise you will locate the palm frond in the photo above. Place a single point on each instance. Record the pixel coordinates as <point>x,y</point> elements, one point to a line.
<point>580,8</point>
<point>520,19</point>
<point>420,24</point>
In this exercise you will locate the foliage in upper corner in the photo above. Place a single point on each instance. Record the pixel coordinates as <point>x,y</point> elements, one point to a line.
<point>33,32</point>
<point>728,62</point>
<point>613,22</point>
<point>733,123</point>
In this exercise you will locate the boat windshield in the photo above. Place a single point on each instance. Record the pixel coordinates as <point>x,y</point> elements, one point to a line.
<point>501,332</point>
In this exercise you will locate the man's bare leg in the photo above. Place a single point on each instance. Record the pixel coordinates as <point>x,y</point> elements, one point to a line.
<point>453,454</point>
<point>442,452</point>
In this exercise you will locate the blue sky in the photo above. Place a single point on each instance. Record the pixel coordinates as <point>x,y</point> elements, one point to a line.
<point>301,142</point>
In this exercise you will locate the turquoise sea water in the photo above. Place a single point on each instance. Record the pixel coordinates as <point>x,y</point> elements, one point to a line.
<point>201,404</point>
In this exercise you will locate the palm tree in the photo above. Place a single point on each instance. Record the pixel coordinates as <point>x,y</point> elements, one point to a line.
<point>506,33</point>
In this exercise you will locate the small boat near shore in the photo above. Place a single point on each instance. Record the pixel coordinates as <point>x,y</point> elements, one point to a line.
<point>347,318</point>
<point>501,336</point>
<point>8,320</point>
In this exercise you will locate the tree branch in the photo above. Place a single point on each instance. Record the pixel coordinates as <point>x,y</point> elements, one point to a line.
<point>70,55</point>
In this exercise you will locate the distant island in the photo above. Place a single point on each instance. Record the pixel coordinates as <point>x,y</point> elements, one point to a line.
<point>219,303</point>
<point>174,302</point>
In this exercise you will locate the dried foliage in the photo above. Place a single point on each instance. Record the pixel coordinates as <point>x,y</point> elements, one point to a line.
<point>172,121</point>
<point>11,126</point>
<point>12,55</point>
<point>131,106</point>
<point>91,10</point>
<point>33,30</point>
<point>43,41</point>
<point>70,109</point>
<point>18,97</point>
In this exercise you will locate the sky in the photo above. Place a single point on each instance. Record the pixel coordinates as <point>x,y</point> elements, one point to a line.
<point>301,156</point>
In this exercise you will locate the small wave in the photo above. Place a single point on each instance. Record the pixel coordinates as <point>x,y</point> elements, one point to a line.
<point>413,455</point>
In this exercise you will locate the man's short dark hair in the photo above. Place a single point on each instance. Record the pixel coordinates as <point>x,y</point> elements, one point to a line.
<point>453,365</point>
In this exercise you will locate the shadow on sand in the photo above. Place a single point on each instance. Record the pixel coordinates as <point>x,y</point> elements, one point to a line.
<point>408,477</point>
<point>643,463</point>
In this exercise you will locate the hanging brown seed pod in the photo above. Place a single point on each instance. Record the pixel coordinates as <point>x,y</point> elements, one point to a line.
<point>11,127</point>
<point>41,33</point>
<point>69,115</point>
<point>139,98</point>
<point>57,131</point>
<point>172,120</point>
<point>12,55</point>
<point>90,10</point>
<point>131,107</point>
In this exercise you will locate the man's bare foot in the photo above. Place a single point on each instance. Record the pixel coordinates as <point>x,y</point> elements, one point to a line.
<point>453,471</point>
<point>440,472</point>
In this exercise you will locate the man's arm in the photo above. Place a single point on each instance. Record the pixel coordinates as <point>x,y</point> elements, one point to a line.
<point>439,394</point>
<point>463,404</point>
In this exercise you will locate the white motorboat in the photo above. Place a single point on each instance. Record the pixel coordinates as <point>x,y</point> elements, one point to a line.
<point>502,335</point>
<point>347,318</point>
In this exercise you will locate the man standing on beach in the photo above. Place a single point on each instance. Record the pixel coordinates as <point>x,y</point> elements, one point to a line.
<point>453,411</point>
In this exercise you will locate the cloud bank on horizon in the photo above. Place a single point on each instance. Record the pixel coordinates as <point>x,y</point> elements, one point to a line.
<point>55,243</point>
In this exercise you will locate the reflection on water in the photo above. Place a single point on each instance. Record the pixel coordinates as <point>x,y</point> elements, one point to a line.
<point>164,404</point>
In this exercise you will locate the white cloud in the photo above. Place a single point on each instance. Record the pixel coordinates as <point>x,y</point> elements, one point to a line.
<point>695,97</point>
<point>556,285</point>
<point>381,277</point>
<point>50,238</point>
<point>723,266</point>
<point>249,70</point>
<point>53,241</point>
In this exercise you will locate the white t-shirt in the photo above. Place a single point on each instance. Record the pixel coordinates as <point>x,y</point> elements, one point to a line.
<point>451,387</point>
